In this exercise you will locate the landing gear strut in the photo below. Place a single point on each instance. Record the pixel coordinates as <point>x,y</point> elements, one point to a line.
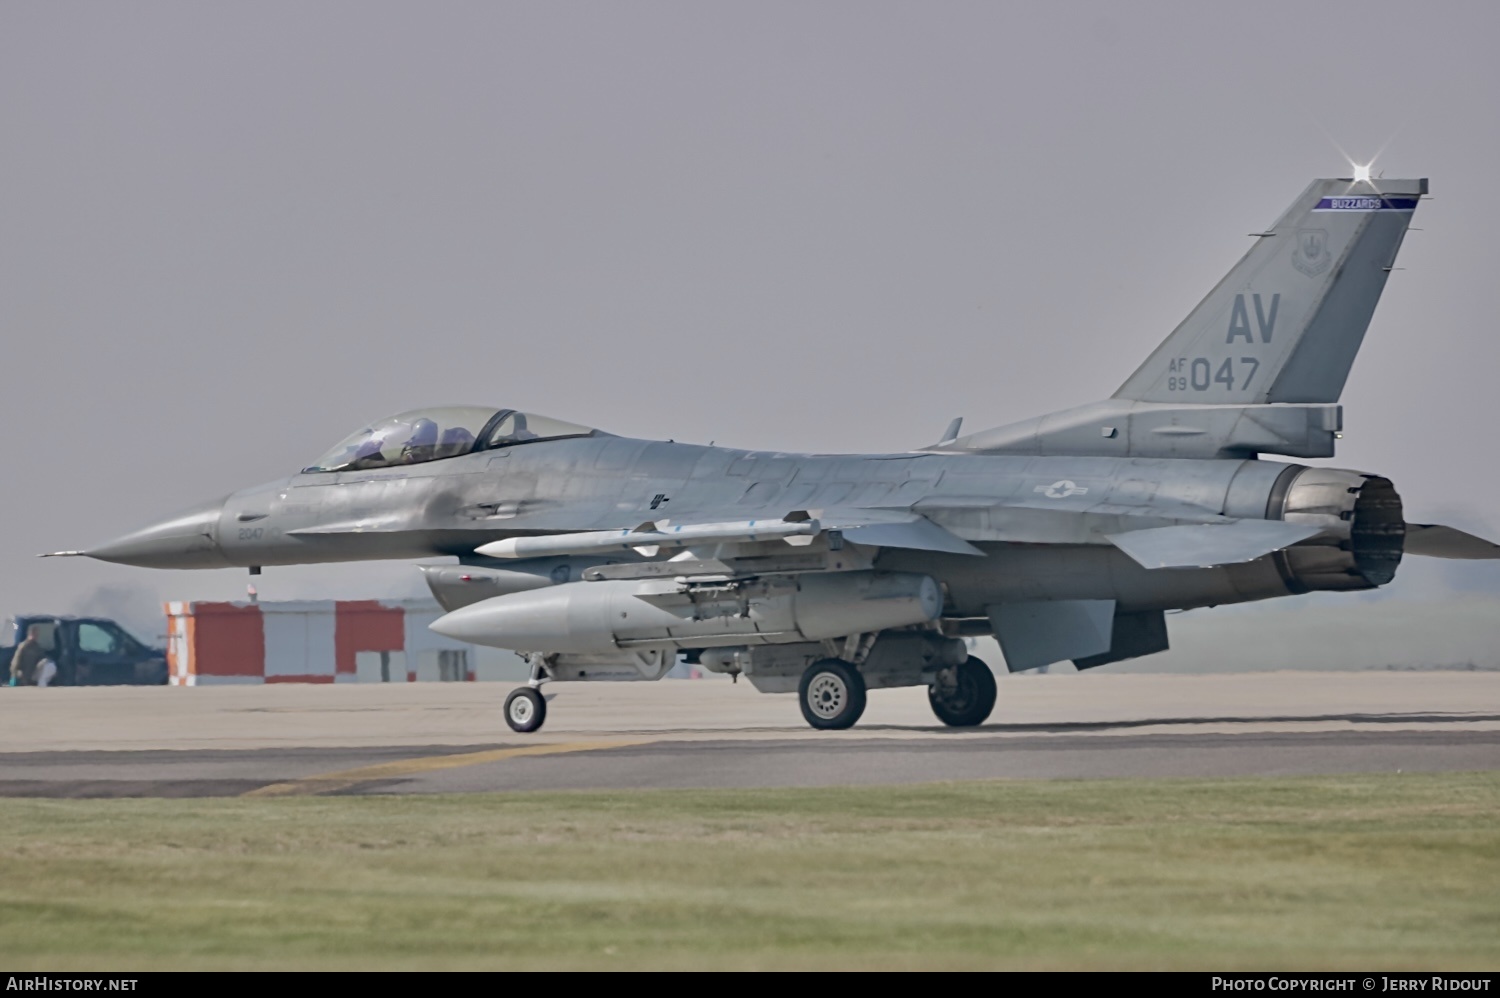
<point>832,694</point>
<point>965,698</point>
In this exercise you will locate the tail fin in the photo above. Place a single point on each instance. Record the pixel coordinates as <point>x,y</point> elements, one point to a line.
<point>1285,323</point>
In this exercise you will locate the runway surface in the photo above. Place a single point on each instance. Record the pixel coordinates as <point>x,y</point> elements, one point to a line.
<point>286,740</point>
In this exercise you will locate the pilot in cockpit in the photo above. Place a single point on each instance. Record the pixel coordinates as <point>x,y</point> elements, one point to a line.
<point>454,441</point>
<point>423,435</point>
<point>422,444</point>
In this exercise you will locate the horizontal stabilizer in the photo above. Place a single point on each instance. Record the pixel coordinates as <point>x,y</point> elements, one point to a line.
<point>1436,541</point>
<point>1204,545</point>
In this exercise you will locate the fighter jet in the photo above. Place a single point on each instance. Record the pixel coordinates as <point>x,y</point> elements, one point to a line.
<point>604,558</point>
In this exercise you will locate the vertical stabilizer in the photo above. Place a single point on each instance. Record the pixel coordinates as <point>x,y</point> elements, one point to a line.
<point>1285,324</point>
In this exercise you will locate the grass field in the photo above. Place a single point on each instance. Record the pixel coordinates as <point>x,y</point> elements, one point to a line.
<point>1366,872</point>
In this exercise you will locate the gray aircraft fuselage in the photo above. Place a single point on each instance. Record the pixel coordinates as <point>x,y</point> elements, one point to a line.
<point>451,507</point>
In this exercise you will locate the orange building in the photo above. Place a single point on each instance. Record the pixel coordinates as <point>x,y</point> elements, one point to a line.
<point>311,641</point>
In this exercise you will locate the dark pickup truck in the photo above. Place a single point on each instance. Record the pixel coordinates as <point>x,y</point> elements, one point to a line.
<point>89,651</point>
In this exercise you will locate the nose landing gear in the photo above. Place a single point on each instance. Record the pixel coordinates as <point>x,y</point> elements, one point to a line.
<point>525,709</point>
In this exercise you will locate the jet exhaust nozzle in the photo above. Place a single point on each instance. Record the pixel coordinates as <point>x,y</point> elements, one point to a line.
<point>1363,529</point>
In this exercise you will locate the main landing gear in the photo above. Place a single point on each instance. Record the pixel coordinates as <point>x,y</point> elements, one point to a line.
<point>964,695</point>
<point>832,694</point>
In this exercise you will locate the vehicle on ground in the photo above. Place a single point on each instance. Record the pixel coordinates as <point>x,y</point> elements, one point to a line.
<point>89,651</point>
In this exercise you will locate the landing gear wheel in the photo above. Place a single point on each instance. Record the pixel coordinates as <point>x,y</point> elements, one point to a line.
<point>832,694</point>
<point>970,698</point>
<point>525,710</point>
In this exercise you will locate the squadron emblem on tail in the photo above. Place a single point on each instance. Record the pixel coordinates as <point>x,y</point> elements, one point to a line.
<point>1312,256</point>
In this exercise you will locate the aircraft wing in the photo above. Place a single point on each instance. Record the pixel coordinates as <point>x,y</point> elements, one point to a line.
<point>1436,541</point>
<point>1204,545</point>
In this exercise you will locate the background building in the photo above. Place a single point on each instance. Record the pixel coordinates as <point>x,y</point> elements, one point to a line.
<point>323,641</point>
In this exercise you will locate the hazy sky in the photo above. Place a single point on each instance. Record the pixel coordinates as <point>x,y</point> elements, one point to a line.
<point>230,234</point>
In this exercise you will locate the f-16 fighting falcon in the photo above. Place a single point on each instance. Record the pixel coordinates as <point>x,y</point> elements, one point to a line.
<point>1067,536</point>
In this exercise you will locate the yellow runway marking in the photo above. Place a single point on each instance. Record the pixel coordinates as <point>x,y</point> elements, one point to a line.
<point>343,779</point>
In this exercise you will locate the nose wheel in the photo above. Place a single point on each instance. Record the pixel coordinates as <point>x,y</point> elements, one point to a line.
<point>525,709</point>
<point>832,695</point>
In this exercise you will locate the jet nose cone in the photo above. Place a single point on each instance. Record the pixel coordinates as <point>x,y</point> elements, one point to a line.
<point>187,540</point>
<point>468,623</point>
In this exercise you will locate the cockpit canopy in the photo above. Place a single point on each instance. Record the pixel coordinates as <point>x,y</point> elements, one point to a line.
<point>423,435</point>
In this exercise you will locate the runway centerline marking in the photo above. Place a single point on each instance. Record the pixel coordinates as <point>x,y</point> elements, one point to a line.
<point>345,778</point>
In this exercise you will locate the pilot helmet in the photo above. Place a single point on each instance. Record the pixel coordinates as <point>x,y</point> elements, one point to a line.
<point>424,433</point>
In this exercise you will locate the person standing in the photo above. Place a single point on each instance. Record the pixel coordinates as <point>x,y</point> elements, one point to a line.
<point>29,654</point>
